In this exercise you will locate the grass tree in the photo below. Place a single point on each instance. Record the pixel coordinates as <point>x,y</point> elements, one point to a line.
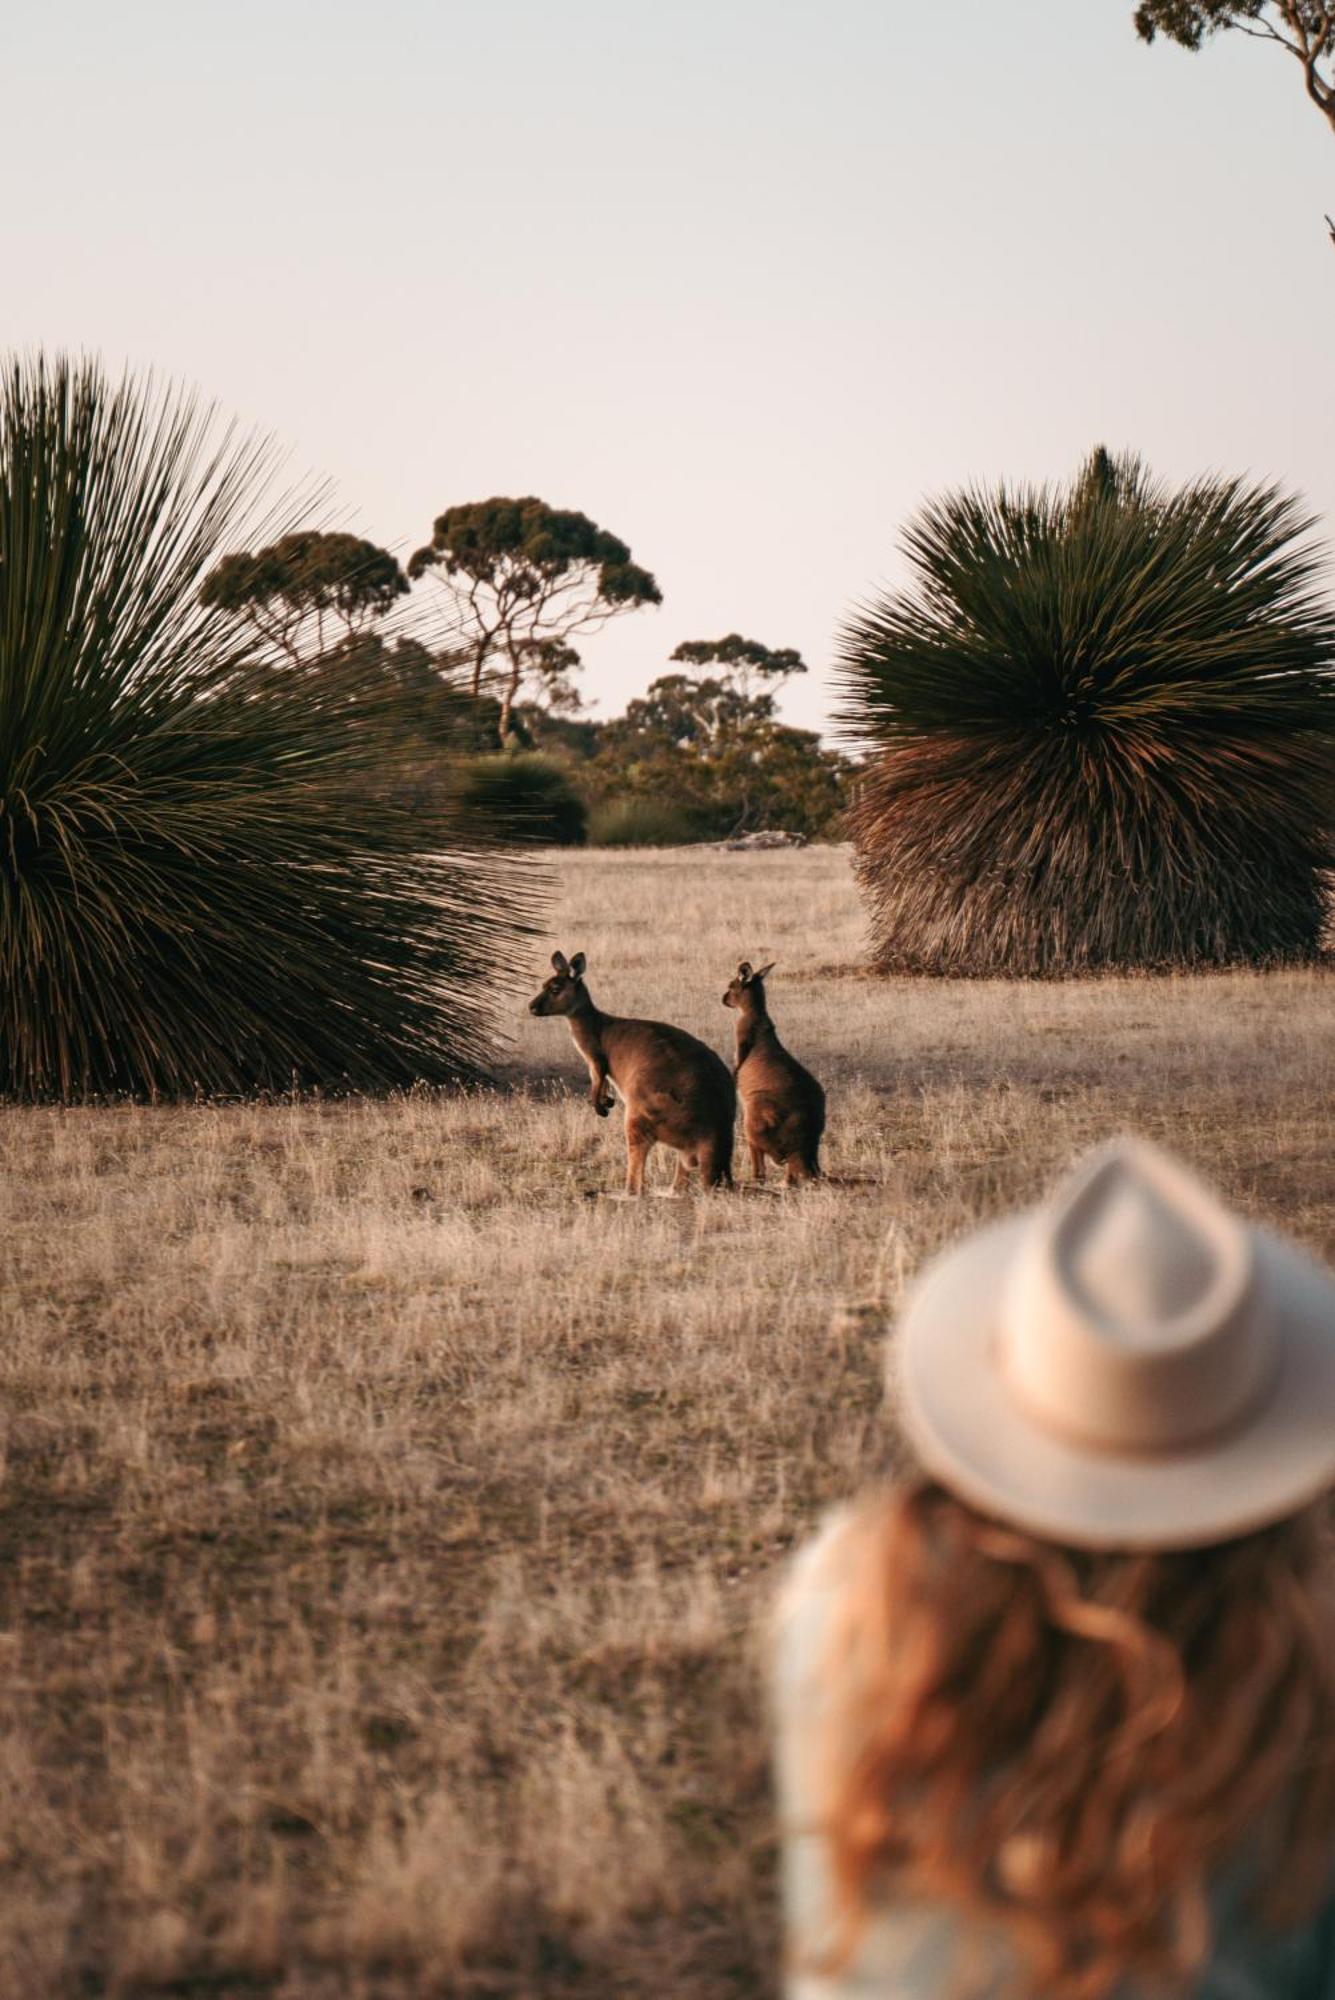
<point>209,879</point>
<point>1103,730</point>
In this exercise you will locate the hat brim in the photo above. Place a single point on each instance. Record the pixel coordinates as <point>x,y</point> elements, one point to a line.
<point>973,1435</point>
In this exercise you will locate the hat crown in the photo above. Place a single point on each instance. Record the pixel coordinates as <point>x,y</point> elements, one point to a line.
<point>1131,1318</point>
<point>1137,1262</point>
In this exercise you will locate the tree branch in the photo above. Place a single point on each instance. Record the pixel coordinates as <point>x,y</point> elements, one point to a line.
<point>1262,31</point>
<point>279,631</point>
<point>1313,40</point>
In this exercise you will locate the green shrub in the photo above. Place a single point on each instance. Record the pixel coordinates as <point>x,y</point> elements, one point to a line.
<point>1104,725</point>
<point>714,749</point>
<point>532,797</point>
<point>646,823</point>
<point>207,881</point>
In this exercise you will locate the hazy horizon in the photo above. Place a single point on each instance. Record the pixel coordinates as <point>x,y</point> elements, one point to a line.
<point>745,283</point>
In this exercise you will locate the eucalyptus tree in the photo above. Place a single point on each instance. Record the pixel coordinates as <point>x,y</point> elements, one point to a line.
<point>1304,30</point>
<point>308,589</point>
<point>525,580</point>
<point>746,664</point>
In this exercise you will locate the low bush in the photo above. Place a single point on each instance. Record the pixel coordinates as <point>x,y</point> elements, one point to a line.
<point>646,823</point>
<point>531,796</point>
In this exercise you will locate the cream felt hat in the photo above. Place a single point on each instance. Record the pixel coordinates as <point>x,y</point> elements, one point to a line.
<point>1129,1365</point>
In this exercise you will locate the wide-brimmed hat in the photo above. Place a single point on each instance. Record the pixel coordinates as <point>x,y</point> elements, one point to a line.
<point>1129,1365</point>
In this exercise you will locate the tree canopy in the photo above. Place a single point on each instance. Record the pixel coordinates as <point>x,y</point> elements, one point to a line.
<point>744,661</point>
<point>1306,31</point>
<point>712,745</point>
<point>691,712</point>
<point>525,578</point>
<point>289,590</point>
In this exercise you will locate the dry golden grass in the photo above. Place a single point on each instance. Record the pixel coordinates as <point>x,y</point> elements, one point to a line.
<point>383,1523</point>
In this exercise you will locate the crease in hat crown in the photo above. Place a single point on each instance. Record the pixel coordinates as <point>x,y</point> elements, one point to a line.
<point>1131,1317</point>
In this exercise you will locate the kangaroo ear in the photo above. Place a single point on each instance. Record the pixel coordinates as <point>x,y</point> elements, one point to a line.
<point>577,966</point>
<point>763,970</point>
<point>744,970</point>
<point>559,962</point>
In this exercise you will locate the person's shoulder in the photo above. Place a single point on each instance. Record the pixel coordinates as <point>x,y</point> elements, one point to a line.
<point>806,1604</point>
<point>819,1567</point>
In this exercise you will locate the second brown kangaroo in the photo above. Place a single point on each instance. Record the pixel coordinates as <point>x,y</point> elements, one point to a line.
<point>783,1106</point>
<point>677,1092</point>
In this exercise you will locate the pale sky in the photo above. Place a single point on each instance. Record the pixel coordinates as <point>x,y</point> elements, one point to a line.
<point>744,280</point>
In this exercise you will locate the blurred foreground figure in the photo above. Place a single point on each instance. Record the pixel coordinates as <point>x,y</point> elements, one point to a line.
<point>1058,1718</point>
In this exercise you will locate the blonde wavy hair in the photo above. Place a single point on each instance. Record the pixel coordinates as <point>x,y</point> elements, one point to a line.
<point>1069,1746</point>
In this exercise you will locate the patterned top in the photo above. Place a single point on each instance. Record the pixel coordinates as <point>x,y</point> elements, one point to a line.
<point>921,1952</point>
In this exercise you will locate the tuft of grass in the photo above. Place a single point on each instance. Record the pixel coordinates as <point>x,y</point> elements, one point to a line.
<point>1103,722</point>
<point>210,878</point>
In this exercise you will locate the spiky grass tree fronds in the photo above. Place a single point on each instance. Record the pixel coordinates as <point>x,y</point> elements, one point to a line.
<point>209,881</point>
<point>1103,725</point>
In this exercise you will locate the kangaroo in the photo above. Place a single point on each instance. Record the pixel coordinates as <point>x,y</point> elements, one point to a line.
<point>783,1106</point>
<point>677,1092</point>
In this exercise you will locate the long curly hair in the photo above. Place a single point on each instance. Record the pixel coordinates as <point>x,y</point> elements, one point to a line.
<point>1068,1746</point>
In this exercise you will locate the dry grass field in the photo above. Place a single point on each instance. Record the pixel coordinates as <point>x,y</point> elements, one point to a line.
<point>385,1523</point>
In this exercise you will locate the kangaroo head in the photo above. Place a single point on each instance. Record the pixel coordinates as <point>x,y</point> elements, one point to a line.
<point>747,988</point>
<point>563,992</point>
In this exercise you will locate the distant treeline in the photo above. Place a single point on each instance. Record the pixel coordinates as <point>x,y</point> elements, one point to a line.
<point>701,755</point>
<point>698,757</point>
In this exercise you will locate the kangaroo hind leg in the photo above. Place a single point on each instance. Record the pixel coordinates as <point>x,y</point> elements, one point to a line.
<point>639,1145</point>
<point>715,1162</point>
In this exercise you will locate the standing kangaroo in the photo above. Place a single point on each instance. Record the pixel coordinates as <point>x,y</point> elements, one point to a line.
<point>783,1106</point>
<point>677,1092</point>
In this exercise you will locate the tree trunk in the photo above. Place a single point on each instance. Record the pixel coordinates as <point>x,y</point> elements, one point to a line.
<point>508,694</point>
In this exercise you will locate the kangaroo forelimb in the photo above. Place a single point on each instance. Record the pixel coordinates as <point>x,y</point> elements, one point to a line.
<point>600,1089</point>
